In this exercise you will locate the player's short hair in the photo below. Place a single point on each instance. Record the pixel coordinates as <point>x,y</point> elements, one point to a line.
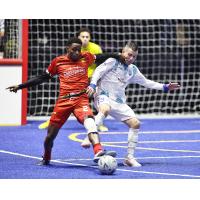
<point>84,29</point>
<point>73,40</point>
<point>131,45</point>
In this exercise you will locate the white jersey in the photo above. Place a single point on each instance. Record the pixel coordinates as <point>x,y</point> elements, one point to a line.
<point>112,77</point>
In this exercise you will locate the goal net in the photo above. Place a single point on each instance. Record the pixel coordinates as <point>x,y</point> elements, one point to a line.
<point>168,52</point>
<point>11,38</point>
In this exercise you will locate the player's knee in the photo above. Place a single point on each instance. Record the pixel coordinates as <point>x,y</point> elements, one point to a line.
<point>135,123</point>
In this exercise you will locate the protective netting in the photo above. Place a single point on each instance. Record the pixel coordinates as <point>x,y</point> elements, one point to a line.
<point>11,41</point>
<point>169,50</point>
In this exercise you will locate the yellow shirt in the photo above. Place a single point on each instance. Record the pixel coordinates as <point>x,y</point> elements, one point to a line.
<point>94,49</point>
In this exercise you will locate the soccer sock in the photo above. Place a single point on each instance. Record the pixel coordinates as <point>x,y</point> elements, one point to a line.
<point>97,147</point>
<point>47,154</point>
<point>99,118</point>
<point>90,125</point>
<point>132,141</point>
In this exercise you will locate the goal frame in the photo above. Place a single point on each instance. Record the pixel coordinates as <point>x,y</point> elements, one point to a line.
<point>21,62</point>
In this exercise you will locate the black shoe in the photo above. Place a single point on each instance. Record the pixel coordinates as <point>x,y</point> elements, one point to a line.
<point>98,155</point>
<point>102,153</point>
<point>111,153</point>
<point>43,162</point>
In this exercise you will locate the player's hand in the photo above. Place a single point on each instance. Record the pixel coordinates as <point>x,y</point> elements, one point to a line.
<point>13,88</point>
<point>91,90</point>
<point>173,86</point>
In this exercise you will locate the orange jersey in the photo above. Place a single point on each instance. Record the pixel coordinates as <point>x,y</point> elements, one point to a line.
<point>73,76</point>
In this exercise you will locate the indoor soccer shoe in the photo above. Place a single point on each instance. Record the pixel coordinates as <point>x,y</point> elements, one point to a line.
<point>102,153</point>
<point>98,155</point>
<point>44,125</point>
<point>43,162</point>
<point>111,153</point>
<point>131,162</point>
<point>86,143</point>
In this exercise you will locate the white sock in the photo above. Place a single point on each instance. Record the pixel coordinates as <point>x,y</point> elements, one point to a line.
<point>132,141</point>
<point>99,118</point>
<point>90,125</point>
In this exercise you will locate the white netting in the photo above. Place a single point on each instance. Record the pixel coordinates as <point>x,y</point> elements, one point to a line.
<point>169,50</point>
<point>11,41</point>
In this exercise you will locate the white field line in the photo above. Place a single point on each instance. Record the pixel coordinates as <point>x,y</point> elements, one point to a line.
<point>123,170</point>
<point>157,141</point>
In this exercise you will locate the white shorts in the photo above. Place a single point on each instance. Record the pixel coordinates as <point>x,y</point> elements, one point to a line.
<point>119,111</point>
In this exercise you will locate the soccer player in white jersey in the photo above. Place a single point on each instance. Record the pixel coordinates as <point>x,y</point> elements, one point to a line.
<point>109,82</point>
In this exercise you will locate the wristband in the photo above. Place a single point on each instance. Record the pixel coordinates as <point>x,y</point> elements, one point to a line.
<point>165,88</point>
<point>93,86</point>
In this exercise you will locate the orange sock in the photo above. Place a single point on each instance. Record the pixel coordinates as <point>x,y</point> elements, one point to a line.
<point>97,147</point>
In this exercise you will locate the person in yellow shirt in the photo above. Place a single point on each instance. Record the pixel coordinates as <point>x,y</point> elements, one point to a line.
<point>84,34</point>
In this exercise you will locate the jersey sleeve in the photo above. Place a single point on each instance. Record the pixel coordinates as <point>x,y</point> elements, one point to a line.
<point>89,58</point>
<point>52,69</point>
<point>140,79</point>
<point>102,69</point>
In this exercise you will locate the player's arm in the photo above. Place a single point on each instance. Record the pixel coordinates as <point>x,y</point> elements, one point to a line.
<point>98,73</point>
<point>32,82</point>
<point>100,58</point>
<point>142,80</point>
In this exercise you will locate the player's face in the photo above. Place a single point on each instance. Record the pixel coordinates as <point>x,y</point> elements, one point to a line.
<point>85,38</point>
<point>74,52</point>
<point>129,55</point>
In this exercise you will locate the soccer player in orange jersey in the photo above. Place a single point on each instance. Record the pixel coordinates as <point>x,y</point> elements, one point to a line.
<point>72,70</point>
<point>84,34</point>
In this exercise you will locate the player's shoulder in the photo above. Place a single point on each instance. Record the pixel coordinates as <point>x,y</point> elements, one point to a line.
<point>92,44</point>
<point>111,60</point>
<point>86,54</point>
<point>61,58</point>
<point>133,68</point>
<point>94,48</point>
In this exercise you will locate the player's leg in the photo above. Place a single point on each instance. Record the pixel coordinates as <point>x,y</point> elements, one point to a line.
<point>58,118</point>
<point>100,127</point>
<point>134,126</point>
<point>102,105</point>
<point>104,109</point>
<point>48,144</point>
<point>92,133</point>
<point>94,139</point>
<point>124,113</point>
<point>85,116</point>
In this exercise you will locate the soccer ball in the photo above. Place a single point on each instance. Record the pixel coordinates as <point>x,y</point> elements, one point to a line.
<point>107,164</point>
